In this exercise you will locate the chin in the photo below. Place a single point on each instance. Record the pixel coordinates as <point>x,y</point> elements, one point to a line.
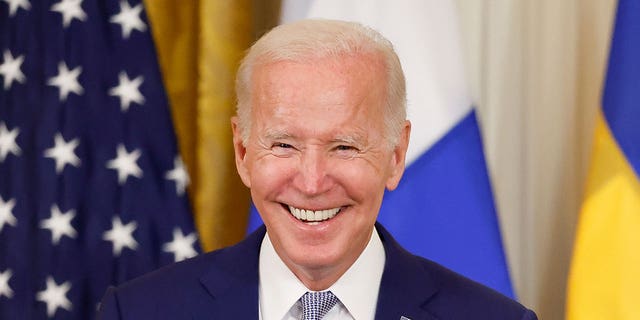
<point>316,257</point>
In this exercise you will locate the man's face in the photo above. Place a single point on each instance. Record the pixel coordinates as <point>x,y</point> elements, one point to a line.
<point>317,160</point>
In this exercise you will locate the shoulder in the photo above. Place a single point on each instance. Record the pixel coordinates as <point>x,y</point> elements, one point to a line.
<point>163,281</point>
<point>438,291</point>
<point>185,286</point>
<point>459,297</point>
<point>227,262</point>
<point>141,297</point>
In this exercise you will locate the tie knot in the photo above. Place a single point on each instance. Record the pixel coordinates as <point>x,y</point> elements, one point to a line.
<point>316,304</point>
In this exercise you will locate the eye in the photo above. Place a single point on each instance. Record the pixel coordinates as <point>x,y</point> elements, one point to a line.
<point>346,151</point>
<point>281,149</point>
<point>282,145</point>
<point>344,148</point>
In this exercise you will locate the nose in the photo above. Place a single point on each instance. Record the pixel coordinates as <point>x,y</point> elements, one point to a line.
<point>312,178</point>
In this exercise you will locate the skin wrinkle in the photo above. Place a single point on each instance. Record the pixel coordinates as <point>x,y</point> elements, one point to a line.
<point>317,142</point>
<point>333,61</point>
<point>310,40</point>
<point>358,145</point>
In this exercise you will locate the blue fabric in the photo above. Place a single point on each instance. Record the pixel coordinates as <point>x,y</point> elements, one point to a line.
<point>224,285</point>
<point>621,99</point>
<point>443,209</point>
<point>254,220</point>
<point>84,261</point>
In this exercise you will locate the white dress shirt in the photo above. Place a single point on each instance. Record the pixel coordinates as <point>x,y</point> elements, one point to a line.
<point>357,289</point>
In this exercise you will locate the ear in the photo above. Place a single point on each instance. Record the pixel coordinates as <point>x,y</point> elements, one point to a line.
<point>240,151</point>
<point>399,156</point>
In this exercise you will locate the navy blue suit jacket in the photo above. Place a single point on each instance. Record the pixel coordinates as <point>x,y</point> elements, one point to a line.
<point>224,285</point>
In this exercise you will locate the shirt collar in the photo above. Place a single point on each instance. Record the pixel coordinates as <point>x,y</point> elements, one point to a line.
<point>357,289</point>
<point>280,289</point>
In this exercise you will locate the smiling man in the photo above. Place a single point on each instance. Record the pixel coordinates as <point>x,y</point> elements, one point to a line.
<point>320,134</point>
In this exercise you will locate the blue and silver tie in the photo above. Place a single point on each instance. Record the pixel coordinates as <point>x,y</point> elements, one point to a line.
<point>316,304</point>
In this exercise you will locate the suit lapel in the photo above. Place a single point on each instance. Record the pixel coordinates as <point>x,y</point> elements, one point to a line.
<point>406,287</point>
<point>232,281</point>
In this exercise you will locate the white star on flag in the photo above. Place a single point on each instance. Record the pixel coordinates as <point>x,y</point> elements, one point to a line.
<point>179,175</point>
<point>62,152</point>
<point>128,90</point>
<point>55,296</point>
<point>8,141</point>
<point>67,80</point>
<point>125,164</point>
<point>59,224</point>
<point>15,4</point>
<point>129,19</point>
<point>70,9</point>
<point>6,215</point>
<point>5,289</point>
<point>121,235</point>
<point>75,78</point>
<point>10,69</point>
<point>181,246</point>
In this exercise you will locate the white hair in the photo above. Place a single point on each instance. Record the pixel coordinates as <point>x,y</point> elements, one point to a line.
<point>305,40</point>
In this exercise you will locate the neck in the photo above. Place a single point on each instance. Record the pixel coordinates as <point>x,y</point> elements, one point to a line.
<point>318,279</point>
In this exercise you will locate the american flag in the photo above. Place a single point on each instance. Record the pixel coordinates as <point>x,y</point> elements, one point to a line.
<point>92,192</point>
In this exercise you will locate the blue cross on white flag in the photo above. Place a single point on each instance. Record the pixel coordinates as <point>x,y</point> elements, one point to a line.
<point>92,191</point>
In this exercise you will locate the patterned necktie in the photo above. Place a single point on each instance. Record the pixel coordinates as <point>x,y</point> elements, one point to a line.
<point>316,304</point>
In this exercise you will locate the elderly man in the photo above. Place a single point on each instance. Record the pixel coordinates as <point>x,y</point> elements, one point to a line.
<point>320,133</point>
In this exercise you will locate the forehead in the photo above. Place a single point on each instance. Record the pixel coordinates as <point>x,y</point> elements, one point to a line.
<point>323,92</point>
<point>354,72</point>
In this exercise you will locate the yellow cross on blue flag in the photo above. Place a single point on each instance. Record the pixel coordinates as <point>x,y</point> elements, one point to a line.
<point>604,280</point>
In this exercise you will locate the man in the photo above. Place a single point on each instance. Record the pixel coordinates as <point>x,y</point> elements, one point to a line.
<point>320,133</point>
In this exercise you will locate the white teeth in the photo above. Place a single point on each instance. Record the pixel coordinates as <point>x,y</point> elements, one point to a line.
<point>313,216</point>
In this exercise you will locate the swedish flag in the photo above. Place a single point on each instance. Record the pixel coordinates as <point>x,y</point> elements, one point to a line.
<point>605,271</point>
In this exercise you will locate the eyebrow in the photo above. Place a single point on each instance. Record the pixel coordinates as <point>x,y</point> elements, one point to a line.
<point>350,139</point>
<point>275,134</point>
<point>355,139</point>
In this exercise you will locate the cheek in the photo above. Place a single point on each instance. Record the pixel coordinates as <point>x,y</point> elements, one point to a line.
<point>270,174</point>
<point>360,178</point>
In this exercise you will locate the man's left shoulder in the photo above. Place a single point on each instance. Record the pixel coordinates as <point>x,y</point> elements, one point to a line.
<point>417,286</point>
<point>458,297</point>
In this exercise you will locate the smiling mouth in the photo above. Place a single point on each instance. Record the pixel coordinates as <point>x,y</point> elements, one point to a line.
<point>313,215</point>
